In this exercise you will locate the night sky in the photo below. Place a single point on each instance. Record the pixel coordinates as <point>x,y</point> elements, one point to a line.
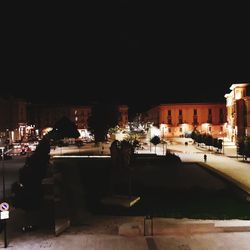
<point>138,57</point>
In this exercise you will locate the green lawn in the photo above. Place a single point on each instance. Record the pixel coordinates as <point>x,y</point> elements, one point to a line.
<point>167,189</point>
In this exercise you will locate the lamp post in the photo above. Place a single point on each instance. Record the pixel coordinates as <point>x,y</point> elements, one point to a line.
<point>223,146</point>
<point>150,139</point>
<point>163,139</point>
<point>4,196</point>
<point>222,136</point>
<point>150,127</point>
<point>3,172</point>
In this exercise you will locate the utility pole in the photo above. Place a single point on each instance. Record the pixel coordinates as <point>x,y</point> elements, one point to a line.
<point>4,197</point>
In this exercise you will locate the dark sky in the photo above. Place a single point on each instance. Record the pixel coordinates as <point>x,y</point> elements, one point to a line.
<point>137,56</point>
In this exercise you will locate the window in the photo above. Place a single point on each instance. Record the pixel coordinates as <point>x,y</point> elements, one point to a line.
<point>169,121</point>
<point>180,129</point>
<point>209,119</point>
<point>210,129</point>
<point>169,112</point>
<point>180,112</point>
<point>180,121</point>
<point>221,116</point>
<point>169,130</point>
<point>238,94</point>
<point>195,111</point>
<point>195,121</point>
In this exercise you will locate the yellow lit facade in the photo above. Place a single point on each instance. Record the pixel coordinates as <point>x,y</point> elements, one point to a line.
<point>238,111</point>
<point>180,119</point>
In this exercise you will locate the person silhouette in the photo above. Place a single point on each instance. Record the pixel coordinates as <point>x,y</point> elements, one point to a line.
<point>205,158</point>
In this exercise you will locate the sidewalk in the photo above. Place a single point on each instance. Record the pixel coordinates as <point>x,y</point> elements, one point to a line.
<point>213,241</point>
<point>235,170</point>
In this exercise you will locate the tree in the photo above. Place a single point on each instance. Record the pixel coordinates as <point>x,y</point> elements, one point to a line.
<point>103,117</point>
<point>247,146</point>
<point>28,192</point>
<point>240,147</point>
<point>243,147</point>
<point>155,140</point>
<point>64,128</point>
<point>220,144</point>
<point>208,140</point>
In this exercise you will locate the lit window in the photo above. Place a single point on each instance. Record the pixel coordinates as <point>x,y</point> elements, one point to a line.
<point>238,94</point>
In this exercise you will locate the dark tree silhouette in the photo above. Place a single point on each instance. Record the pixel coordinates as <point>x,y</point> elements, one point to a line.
<point>155,140</point>
<point>103,117</point>
<point>28,193</point>
<point>243,147</point>
<point>64,128</point>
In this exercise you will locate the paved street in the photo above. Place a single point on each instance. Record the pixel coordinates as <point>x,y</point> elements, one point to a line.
<point>11,168</point>
<point>221,241</point>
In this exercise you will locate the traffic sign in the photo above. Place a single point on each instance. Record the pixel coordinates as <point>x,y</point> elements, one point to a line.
<point>4,206</point>
<point>4,215</point>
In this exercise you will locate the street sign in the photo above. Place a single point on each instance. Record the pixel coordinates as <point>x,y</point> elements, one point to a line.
<point>4,206</point>
<point>4,215</point>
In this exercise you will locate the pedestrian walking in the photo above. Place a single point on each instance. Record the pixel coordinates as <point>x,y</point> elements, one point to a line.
<point>205,158</point>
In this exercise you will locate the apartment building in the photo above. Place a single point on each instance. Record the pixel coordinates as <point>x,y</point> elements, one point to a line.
<point>238,111</point>
<point>180,119</point>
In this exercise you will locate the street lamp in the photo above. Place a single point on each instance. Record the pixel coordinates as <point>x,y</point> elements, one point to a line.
<point>150,138</point>
<point>3,174</point>
<point>222,136</point>
<point>4,221</point>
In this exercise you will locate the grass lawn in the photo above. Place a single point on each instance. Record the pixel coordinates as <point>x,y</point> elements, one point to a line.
<point>167,189</point>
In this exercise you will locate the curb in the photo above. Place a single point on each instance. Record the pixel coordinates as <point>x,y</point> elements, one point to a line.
<point>182,227</point>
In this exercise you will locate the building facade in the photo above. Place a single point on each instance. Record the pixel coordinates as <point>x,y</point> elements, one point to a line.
<point>238,111</point>
<point>123,115</point>
<point>20,120</point>
<point>180,119</point>
<point>45,116</point>
<point>13,119</point>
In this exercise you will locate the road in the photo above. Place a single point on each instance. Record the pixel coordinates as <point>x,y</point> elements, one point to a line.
<point>11,168</point>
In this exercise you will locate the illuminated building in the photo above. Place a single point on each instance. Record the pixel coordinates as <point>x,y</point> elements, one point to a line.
<point>45,116</point>
<point>238,111</point>
<point>123,115</point>
<point>13,118</point>
<point>180,119</point>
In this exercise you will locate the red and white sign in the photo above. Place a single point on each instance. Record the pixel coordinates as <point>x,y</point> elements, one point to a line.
<point>4,206</point>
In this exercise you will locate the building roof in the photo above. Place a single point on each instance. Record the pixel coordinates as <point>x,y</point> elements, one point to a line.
<point>192,103</point>
<point>239,85</point>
